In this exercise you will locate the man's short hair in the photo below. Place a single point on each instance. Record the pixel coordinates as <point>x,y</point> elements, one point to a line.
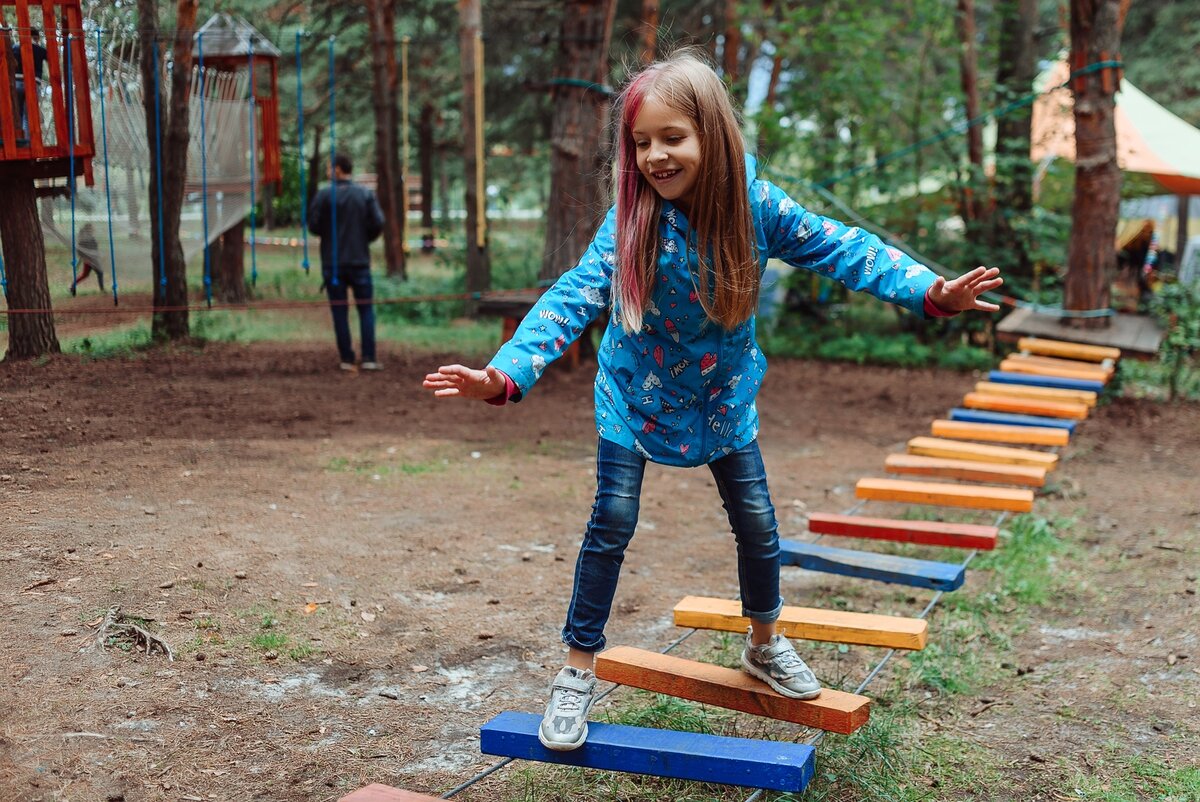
<point>35,33</point>
<point>343,163</point>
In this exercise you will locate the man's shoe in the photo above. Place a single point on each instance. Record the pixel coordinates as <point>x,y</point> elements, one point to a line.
<point>564,725</point>
<point>371,366</point>
<point>777,664</point>
<point>347,366</point>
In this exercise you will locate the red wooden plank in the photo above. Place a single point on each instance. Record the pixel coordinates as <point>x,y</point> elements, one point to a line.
<point>385,793</point>
<point>929,533</point>
<point>50,30</point>
<point>8,120</point>
<point>29,77</point>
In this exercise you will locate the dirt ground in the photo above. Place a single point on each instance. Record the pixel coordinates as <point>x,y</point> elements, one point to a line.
<point>353,577</point>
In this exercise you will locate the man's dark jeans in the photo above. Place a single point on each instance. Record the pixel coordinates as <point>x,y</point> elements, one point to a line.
<point>742,482</point>
<point>360,282</point>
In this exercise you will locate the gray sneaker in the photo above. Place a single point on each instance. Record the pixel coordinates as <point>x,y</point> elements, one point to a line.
<point>777,664</point>
<point>564,726</point>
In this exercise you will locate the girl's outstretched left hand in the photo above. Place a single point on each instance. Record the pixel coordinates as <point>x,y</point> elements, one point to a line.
<point>962,293</point>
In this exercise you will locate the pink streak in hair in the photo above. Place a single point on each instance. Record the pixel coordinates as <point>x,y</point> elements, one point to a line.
<point>629,216</point>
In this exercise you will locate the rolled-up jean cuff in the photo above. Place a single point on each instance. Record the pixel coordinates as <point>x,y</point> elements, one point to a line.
<point>584,647</point>
<point>767,617</point>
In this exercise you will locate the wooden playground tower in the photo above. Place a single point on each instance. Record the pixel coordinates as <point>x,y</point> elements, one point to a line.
<point>55,141</point>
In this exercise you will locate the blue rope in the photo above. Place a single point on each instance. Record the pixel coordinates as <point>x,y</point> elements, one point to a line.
<point>332,177</point>
<point>71,155</point>
<point>162,251</point>
<point>204,176</point>
<point>112,254</point>
<point>3,277</point>
<point>300,157</point>
<point>253,173</point>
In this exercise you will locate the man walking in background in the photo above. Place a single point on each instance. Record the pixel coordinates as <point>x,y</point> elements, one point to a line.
<point>347,218</point>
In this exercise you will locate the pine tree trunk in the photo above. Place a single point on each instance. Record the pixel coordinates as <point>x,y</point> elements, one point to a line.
<point>479,271</point>
<point>170,321</point>
<point>1014,173</point>
<point>1091,257</point>
<point>384,88</point>
<point>968,61</point>
<point>29,334</point>
<point>649,31</point>
<point>425,149</point>
<point>229,266</point>
<point>577,152</point>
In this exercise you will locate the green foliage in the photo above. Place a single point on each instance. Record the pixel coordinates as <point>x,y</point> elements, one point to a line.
<point>1177,307</point>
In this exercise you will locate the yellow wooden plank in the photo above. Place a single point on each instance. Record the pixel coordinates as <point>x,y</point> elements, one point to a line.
<point>978,497</point>
<point>1000,433</point>
<point>1085,397</point>
<point>1011,365</point>
<point>956,449</point>
<point>967,470</point>
<point>1089,353</point>
<point>808,623</point>
<point>1025,406</point>
<point>1070,364</point>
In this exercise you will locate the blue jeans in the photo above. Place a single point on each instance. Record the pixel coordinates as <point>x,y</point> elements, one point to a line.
<point>742,482</point>
<point>360,282</point>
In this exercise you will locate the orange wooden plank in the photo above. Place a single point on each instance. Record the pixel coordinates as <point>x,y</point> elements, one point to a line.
<point>385,793</point>
<point>808,623</point>
<point>976,497</point>
<point>1026,406</point>
<point>1085,397</point>
<point>1069,364</point>
<point>1069,350</point>
<point>1016,366</point>
<point>833,710</point>
<point>1000,433</point>
<point>978,452</point>
<point>929,533</point>
<point>967,470</point>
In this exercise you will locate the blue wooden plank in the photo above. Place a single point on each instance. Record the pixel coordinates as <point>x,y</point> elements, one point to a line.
<point>869,565</point>
<point>1005,377</point>
<point>1011,419</point>
<point>779,766</point>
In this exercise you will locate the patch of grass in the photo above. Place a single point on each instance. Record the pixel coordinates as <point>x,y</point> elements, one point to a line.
<point>123,341</point>
<point>1131,778</point>
<point>269,641</point>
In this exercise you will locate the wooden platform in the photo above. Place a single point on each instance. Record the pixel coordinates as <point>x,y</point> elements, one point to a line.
<point>1000,433</point>
<point>975,497</point>
<point>777,765</point>
<point>1136,335</point>
<point>927,533</point>
<point>807,623</point>
<point>957,449</point>
<point>869,565</point>
<point>966,470</point>
<point>731,688</point>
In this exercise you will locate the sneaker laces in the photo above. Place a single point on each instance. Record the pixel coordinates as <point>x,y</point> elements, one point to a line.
<point>784,655</point>
<point>569,700</point>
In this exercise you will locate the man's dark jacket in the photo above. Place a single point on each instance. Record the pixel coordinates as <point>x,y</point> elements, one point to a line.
<point>359,222</point>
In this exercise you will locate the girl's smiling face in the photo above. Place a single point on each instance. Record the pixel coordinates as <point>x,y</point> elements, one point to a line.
<point>668,151</point>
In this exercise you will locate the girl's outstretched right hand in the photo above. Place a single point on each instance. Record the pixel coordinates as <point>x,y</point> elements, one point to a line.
<point>459,381</point>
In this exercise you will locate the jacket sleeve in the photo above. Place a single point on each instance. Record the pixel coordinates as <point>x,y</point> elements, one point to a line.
<point>374,217</point>
<point>315,210</point>
<point>851,256</point>
<point>562,312</point>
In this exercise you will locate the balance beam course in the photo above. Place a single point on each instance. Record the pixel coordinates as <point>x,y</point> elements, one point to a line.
<point>835,711</point>
<point>807,623</point>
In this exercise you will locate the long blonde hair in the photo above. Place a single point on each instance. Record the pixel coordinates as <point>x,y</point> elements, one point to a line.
<point>728,280</point>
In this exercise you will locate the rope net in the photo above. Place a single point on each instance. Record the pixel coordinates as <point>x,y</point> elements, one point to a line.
<point>218,185</point>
